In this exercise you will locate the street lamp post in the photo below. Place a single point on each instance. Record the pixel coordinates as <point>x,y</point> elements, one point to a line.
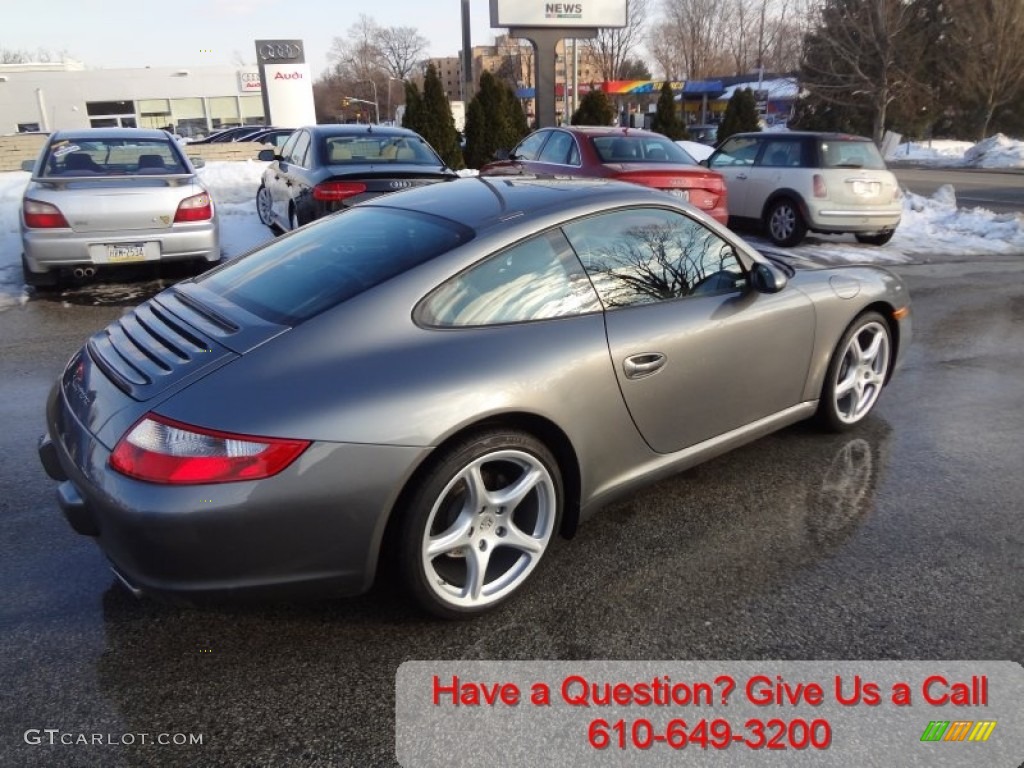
<point>397,80</point>
<point>376,102</point>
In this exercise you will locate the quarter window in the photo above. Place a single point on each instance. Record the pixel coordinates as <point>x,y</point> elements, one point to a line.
<point>737,151</point>
<point>534,280</point>
<point>298,153</point>
<point>647,255</point>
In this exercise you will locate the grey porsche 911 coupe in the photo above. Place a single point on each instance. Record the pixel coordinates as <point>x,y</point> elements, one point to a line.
<point>443,380</point>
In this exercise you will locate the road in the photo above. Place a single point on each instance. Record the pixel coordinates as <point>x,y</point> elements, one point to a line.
<point>998,191</point>
<point>901,539</point>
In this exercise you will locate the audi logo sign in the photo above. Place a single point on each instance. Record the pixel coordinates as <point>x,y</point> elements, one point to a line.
<point>400,184</point>
<point>288,76</point>
<point>249,81</point>
<point>279,50</point>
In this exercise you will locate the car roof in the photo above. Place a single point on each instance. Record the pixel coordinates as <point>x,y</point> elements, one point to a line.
<point>831,135</point>
<point>608,130</point>
<point>357,129</point>
<point>111,133</point>
<point>481,202</point>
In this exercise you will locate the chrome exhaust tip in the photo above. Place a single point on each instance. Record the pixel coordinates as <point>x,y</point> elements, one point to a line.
<point>89,271</point>
<point>79,272</point>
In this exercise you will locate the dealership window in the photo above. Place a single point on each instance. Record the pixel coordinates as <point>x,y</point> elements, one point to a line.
<point>223,111</point>
<point>189,117</point>
<point>252,110</point>
<point>111,114</point>
<point>154,113</point>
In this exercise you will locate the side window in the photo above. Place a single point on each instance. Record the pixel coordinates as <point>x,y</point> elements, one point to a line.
<point>537,279</point>
<point>557,149</point>
<point>781,154</point>
<point>737,151</point>
<point>289,145</point>
<point>647,255</point>
<point>298,153</point>
<point>529,147</point>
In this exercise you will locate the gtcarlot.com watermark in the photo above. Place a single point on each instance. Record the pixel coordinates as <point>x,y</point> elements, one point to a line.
<point>55,736</point>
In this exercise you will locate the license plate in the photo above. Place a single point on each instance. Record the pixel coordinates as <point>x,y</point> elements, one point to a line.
<point>867,188</point>
<point>682,194</point>
<point>134,252</point>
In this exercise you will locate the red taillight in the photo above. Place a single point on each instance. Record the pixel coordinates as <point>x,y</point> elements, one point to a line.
<point>160,450</point>
<point>39,215</point>
<point>330,191</point>
<point>195,208</point>
<point>820,188</point>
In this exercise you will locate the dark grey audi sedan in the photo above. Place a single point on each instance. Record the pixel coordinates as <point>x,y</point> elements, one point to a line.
<point>443,380</point>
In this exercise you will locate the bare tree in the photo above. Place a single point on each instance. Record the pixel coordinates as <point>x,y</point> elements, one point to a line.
<point>861,54</point>
<point>356,56</point>
<point>664,46</point>
<point>988,65</point>
<point>19,56</point>
<point>700,29</point>
<point>613,46</point>
<point>401,49</point>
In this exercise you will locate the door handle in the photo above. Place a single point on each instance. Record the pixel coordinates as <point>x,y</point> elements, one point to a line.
<point>644,364</point>
<point>741,175</point>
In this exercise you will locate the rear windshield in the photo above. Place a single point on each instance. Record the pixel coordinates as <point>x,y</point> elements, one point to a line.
<point>348,150</point>
<point>326,263</point>
<point>839,153</point>
<point>640,149</point>
<point>112,157</point>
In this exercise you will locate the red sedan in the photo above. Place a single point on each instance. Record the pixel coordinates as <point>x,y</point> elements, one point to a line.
<point>626,154</point>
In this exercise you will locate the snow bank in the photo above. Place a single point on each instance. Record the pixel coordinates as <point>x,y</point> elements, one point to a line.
<point>996,151</point>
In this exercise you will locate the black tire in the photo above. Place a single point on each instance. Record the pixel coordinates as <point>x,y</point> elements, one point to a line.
<point>264,207</point>
<point>853,383</point>
<point>880,239</point>
<point>41,281</point>
<point>470,528</point>
<point>784,223</point>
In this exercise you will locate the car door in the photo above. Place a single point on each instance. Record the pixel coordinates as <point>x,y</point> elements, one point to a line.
<point>778,166</point>
<point>697,351</point>
<point>734,160</point>
<point>294,178</point>
<point>273,180</point>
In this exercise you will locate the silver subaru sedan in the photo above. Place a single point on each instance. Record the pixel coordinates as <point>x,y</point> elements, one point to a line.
<point>103,197</point>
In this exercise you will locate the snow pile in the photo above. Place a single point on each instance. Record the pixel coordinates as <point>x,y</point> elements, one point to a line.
<point>233,185</point>
<point>996,152</point>
<point>937,225</point>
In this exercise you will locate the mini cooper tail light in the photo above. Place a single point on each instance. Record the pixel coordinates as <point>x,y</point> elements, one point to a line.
<point>40,215</point>
<point>195,208</point>
<point>160,450</point>
<point>330,191</point>
<point>820,188</point>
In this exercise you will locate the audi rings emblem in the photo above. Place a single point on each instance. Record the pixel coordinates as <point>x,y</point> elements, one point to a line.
<point>280,51</point>
<point>400,184</point>
<point>250,77</point>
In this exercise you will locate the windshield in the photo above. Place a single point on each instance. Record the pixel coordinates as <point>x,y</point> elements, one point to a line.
<point>332,260</point>
<point>348,150</point>
<point>837,153</point>
<point>112,157</point>
<point>640,149</point>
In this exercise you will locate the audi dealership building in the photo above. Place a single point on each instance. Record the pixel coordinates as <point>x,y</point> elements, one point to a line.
<point>194,100</point>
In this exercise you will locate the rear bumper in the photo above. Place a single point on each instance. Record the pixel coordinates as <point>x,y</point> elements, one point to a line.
<point>868,220</point>
<point>54,249</point>
<point>316,528</point>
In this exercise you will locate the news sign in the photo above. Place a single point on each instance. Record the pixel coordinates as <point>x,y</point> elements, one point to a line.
<point>588,14</point>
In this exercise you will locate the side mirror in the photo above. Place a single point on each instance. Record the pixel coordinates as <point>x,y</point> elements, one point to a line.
<point>704,162</point>
<point>768,278</point>
<point>502,154</point>
<point>197,162</point>
<point>28,165</point>
<point>266,155</point>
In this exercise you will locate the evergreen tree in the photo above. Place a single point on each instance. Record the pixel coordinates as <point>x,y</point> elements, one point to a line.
<point>666,118</point>
<point>740,115</point>
<point>594,109</point>
<point>438,123</point>
<point>494,120</point>
<point>413,117</point>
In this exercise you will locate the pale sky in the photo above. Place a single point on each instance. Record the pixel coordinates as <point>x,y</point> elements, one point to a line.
<point>191,33</point>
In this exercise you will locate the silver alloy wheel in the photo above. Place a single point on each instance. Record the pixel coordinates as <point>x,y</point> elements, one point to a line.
<point>861,374</point>
<point>488,528</point>
<point>264,206</point>
<point>782,223</point>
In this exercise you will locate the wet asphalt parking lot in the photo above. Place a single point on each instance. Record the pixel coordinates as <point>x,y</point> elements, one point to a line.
<point>902,539</point>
